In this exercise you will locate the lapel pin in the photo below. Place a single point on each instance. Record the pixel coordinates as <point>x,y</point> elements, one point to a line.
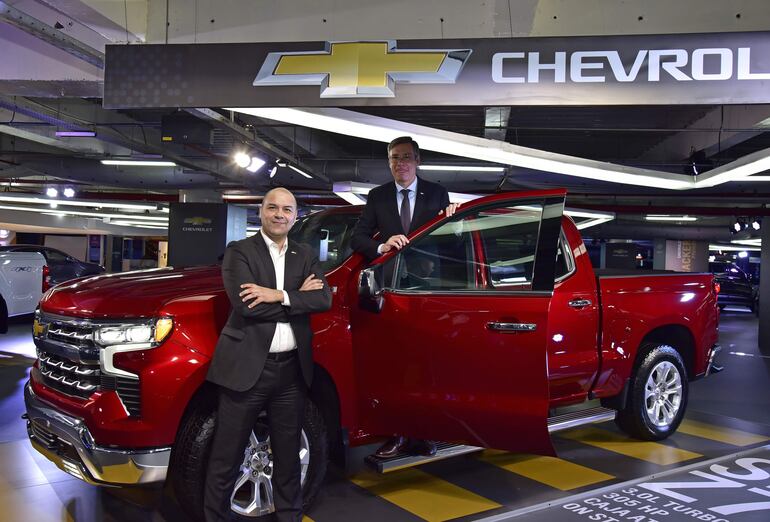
<point>292,252</point>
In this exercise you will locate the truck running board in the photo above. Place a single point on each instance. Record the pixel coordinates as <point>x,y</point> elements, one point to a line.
<point>445,450</point>
<point>579,418</point>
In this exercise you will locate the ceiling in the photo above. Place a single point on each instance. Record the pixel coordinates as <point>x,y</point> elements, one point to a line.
<point>686,139</point>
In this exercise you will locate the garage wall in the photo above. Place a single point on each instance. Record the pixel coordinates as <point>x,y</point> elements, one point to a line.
<point>210,21</point>
<point>75,246</point>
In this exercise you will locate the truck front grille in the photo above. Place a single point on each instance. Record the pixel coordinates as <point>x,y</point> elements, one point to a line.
<point>69,377</point>
<point>69,362</point>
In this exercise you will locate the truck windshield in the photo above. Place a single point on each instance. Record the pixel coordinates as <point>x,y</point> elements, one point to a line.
<point>328,234</point>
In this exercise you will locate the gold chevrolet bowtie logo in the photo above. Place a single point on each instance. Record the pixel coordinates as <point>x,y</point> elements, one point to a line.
<point>361,69</point>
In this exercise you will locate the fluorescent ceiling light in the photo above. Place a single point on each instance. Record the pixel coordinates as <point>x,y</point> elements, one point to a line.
<point>75,134</point>
<point>750,242</point>
<point>670,218</point>
<point>376,128</point>
<point>296,169</point>
<point>80,203</point>
<point>139,163</point>
<point>592,222</point>
<point>138,225</point>
<point>351,198</point>
<point>753,178</point>
<point>88,214</point>
<point>461,168</point>
<point>726,248</point>
<point>236,197</point>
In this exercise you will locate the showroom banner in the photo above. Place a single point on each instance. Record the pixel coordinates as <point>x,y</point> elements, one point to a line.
<point>716,68</point>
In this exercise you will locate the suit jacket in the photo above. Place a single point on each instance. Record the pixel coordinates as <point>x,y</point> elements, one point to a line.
<point>381,213</point>
<point>245,339</point>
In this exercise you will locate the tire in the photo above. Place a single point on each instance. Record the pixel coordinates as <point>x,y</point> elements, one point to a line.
<point>193,446</point>
<point>657,395</point>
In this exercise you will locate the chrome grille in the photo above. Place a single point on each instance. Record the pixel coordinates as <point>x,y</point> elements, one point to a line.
<point>70,377</point>
<point>76,334</point>
<point>69,362</point>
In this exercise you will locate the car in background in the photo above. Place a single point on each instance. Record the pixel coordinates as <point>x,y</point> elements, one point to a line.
<point>735,286</point>
<point>62,266</point>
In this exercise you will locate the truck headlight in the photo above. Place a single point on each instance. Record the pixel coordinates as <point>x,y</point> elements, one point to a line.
<point>150,333</point>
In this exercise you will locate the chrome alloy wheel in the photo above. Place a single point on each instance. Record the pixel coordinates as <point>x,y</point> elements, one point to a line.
<point>663,394</point>
<point>253,492</point>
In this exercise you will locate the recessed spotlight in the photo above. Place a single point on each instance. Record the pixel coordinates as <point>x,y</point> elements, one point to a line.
<point>69,192</point>
<point>242,159</point>
<point>51,192</point>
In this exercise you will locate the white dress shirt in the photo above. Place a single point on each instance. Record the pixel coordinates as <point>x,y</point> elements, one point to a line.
<point>283,339</point>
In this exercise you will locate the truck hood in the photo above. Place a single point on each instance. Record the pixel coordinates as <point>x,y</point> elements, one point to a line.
<point>129,294</point>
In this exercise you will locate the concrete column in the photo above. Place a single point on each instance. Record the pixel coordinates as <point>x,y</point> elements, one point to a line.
<point>764,290</point>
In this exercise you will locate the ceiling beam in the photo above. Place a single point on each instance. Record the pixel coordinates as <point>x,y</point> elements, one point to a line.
<point>50,34</point>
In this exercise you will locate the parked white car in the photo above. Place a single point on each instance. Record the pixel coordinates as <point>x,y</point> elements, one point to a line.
<point>23,279</point>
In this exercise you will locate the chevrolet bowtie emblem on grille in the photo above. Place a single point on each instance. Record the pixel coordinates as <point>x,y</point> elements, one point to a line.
<point>362,69</point>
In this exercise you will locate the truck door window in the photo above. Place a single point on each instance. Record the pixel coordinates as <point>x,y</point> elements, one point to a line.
<point>441,260</point>
<point>509,239</point>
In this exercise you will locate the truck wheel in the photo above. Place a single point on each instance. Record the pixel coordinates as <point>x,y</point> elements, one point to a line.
<point>253,492</point>
<point>657,395</point>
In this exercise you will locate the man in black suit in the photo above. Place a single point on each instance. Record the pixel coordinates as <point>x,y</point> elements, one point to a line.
<point>394,210</point>
<point>263,359</point>
<point>388,212</point>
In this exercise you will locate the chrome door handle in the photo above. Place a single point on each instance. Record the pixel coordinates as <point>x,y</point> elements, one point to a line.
<point>511,327</point>
<point>579,303</point>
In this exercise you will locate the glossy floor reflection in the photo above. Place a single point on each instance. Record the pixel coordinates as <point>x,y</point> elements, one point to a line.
<point>728,412</point>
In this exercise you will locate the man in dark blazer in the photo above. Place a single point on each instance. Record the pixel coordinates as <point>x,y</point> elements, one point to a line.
<point>394,210</point>
<point>392,215</point>
<point>263,359</point>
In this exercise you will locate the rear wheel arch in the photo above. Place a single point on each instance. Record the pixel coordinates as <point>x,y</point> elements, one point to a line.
<point>674,335</point>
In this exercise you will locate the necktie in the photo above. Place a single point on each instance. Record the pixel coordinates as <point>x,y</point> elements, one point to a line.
<point>406,219</point>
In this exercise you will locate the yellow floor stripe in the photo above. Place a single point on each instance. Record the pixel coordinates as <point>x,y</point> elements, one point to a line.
<point>557,473</point>
<point>424,495</point>
<point>648,451</point>
<point>720,434</point>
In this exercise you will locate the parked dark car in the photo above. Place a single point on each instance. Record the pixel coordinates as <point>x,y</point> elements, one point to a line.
<point>735,285</point>
<point>62,266</point>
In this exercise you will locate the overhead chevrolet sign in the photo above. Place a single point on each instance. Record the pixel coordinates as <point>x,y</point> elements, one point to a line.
<point>716,68</point>
<point>362,69</point>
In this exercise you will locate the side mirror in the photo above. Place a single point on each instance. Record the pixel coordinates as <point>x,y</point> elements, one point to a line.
<point>370,289</point>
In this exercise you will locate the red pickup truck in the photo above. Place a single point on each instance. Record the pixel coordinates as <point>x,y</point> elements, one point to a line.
<point>489,329</point>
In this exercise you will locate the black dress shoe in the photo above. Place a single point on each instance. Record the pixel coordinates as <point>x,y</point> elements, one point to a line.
<point>393,447</point>
<point>426,448</point>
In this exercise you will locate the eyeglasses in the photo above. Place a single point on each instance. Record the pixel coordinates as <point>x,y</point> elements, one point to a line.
<point>404,157</point>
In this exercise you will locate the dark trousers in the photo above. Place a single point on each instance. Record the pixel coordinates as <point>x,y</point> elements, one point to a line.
<point>280,390</point>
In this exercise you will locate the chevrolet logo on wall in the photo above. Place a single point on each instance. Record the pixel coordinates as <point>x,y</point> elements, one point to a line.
<point>362,69</point>
<point>197,221</point>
